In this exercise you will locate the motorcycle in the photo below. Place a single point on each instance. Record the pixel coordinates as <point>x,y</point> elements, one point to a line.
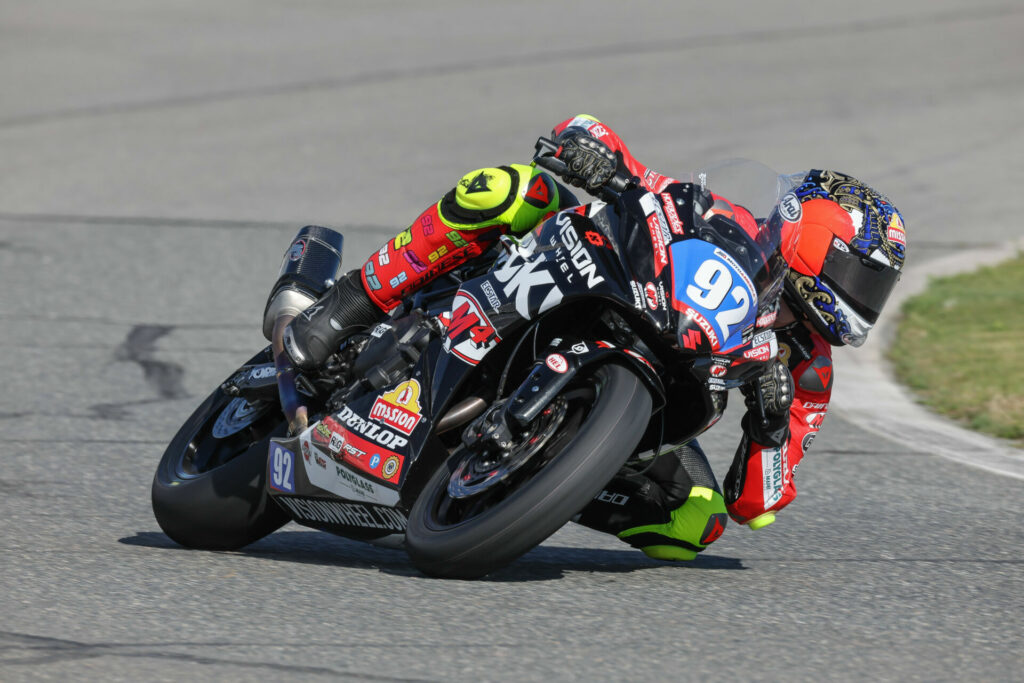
<point>494,404</point>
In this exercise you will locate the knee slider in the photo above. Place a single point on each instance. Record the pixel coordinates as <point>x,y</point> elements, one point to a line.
<point>480,197</point>
<point>693,526</point>
<point>517,196</point>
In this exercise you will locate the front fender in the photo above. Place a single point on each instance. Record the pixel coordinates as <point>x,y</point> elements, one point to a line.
<point>562,363</point>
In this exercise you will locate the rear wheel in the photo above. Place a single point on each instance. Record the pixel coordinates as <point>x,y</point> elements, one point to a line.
<point>478,512</point>
<point>209,490</point>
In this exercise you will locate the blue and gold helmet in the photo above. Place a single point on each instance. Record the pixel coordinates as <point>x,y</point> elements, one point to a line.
<point>848,256</point>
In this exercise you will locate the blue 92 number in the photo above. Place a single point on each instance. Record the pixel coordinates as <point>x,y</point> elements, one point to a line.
<point>282,469</point>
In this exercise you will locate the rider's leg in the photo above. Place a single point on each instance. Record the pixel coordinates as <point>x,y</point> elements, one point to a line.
<point>462,225</point>
<point>671,511</point>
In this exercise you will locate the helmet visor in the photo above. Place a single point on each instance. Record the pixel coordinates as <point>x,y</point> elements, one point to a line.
<point>863,283</point>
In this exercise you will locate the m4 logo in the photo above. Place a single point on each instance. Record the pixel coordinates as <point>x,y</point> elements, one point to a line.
<point>470,333</point>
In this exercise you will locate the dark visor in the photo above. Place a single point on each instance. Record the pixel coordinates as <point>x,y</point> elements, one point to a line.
<point>863,283</point>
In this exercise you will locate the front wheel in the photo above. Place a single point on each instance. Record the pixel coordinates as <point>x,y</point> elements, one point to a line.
<point>209,490</point>
<point>588,432</point>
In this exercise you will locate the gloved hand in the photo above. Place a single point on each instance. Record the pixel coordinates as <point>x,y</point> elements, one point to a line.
<point>591,163</point>
<point>768,399</point>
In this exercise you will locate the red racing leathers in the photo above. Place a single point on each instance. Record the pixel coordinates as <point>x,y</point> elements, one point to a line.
<point>465,223</point>
<point>760,480</point>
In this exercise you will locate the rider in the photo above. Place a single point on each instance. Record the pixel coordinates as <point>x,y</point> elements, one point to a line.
<point>842,269</point>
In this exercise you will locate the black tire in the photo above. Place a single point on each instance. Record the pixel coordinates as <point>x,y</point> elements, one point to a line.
<point>210,493</point>
<point>540,505</point>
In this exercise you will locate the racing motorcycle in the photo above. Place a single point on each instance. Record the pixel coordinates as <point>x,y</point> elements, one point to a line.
<point>496,402</point>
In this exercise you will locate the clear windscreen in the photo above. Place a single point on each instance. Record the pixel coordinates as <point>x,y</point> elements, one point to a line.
<point>762,191</point>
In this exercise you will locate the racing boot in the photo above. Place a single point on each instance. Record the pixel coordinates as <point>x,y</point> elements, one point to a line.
<point>671,511</point>
<point>316,333</point>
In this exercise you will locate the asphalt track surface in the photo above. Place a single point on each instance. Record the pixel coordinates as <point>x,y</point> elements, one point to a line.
<point>157,157</point>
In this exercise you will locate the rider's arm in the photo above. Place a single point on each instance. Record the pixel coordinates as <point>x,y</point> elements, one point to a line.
<point>655,182</point>
<point>760,481</point>
<point>466,221</point>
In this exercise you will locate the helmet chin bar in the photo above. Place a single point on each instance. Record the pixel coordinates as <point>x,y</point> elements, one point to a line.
<point>858,330</point>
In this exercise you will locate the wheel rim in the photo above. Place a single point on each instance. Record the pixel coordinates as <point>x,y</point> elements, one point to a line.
<point>239,426</point>
<point>479,471</point>
<point>446,511</point>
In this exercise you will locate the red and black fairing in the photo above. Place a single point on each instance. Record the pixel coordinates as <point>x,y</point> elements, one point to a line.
<point>594,285</point>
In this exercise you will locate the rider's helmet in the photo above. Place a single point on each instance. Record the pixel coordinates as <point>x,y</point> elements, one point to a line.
<point>847,258</point>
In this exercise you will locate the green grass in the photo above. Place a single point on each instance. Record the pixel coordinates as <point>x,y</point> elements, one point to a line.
<point>960,348</point>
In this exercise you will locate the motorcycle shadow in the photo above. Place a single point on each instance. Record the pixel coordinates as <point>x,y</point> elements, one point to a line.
<point>543,563</point>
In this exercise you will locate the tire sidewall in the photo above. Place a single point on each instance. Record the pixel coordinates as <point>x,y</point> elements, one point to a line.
<point>564,486</point>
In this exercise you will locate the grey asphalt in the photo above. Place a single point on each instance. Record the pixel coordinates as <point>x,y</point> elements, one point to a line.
<point>158,156</point>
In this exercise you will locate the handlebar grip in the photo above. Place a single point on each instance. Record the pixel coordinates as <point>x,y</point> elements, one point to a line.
<point>544,156</point>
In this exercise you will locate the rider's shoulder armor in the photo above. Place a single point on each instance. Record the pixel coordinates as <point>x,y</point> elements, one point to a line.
<point>518,196</point>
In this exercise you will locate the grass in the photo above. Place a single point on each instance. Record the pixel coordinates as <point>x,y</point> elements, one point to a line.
<point>960,348</point>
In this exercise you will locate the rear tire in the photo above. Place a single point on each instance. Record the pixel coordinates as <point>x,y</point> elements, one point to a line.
<point>540,505</point>
<point>210,492</point>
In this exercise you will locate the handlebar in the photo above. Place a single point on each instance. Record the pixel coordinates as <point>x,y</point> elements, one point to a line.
<point>545,155</point>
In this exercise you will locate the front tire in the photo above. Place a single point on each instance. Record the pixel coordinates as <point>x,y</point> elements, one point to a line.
<point>209,489</point>
<point>537,506</point>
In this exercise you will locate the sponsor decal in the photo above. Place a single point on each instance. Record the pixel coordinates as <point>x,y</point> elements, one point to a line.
<point>390,467</point>
<point>768,319</point>
<point>725,256</point>
<point>652,296</point>
<point>305,450</point>
<point>658,243</point>
<point>578,254</point>
<point>355,455</point>
<point>579,348</point>
<point>380,330</point>
<point>399,408</point>
<point>790,209</point>
<point>521,277</point>
<point>297,249</point>
<point>345,514</point>
<point>598,131</point>
<point>718,370</point>
<point>638,297</point>
<point>357,423</point>
<point>670,212</point>
<point>557,362</point>
<point>612,498</point>
<point>764,347</point>
<point>840,245</point>
<point>382,256</point>
<point>654,181</point>
<point>691,340</point>
<point>806,443</point>
<point>337,443</point>
<point>471,335</point>
<point>715,384</point>
<point>597,239</point>
<point>703,324</point>
<point>773,466</point>
<point>319,460</point>
<point>263,372</point>
<point>492,296</point>
<point>321,434</point>
<point>815,406</point>
<point>282,468</point>
<point>815,420</point>
<point>360,485</point>
<point>895,232</point>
